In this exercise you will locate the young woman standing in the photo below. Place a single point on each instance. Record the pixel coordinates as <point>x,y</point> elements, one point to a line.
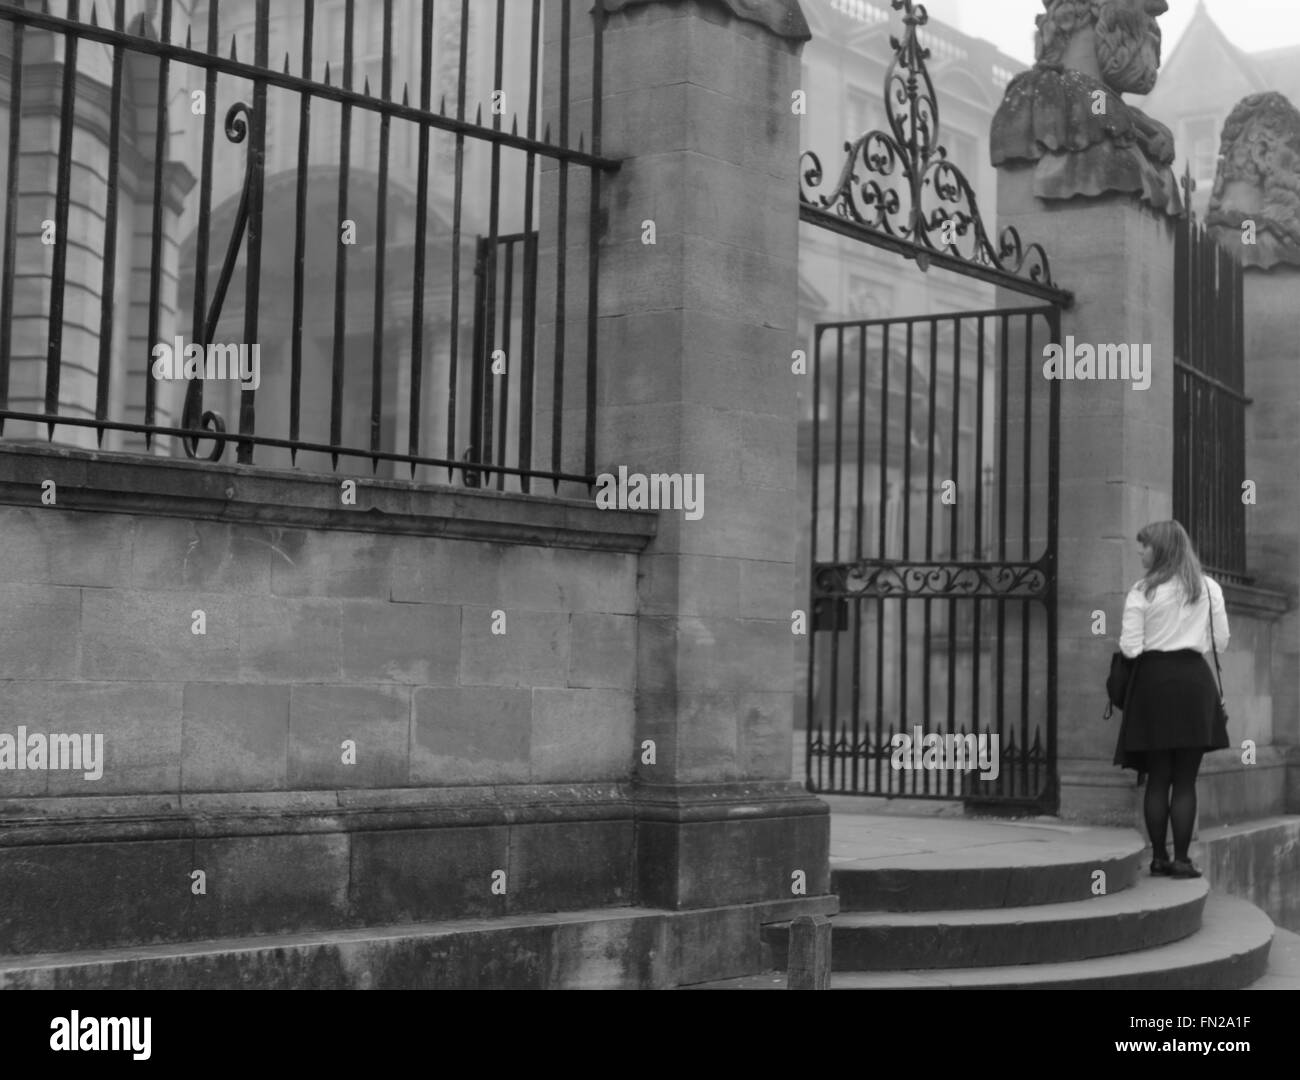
<point>1172,716</point>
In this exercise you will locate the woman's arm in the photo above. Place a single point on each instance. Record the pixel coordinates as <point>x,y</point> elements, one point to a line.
<point>1132,632</point>
<point>1218,616</point>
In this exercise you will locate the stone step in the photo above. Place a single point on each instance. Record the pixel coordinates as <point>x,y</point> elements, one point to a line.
<point>1229,952</point>
<point>1283,963</point>
<point>603,948</point>
<point>509,951</point>
<point>1155,912</point>
<point>623,948</point>
<point>1012,875</point>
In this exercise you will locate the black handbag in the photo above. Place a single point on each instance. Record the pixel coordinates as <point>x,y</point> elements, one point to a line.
<point>1118,682</point>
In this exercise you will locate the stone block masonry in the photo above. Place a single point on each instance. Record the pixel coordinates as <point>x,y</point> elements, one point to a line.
<point>446,703</point>
<point>423,704</point>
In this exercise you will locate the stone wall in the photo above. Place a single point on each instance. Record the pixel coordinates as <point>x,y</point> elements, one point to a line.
<point>626,739</point>
<point>225,751</point>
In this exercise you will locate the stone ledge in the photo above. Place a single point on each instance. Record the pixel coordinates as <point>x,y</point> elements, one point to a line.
<point>1258,861</point>
<point>1228,760</point>
<point>1252,600</point>
<point>625,947</point>
<point>95,819</point>
<point>89,819</point>
<point>694,803</point>
<point>103,482</point>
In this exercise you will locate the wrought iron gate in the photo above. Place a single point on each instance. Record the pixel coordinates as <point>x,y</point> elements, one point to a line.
<point>935,465</point>
<point>935,446</point>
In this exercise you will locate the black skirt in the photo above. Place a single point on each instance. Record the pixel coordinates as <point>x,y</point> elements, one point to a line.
<point>1173,706</point>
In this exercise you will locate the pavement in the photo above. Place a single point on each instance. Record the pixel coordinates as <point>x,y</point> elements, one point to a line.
<point>926,834</point>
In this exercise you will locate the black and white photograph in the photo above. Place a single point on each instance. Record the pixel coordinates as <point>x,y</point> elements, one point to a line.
<point>650,495</point>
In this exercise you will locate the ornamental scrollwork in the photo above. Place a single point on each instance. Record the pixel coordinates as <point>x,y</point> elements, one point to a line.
<point>878,579</point>
<point>193,416</point>
<point>902,184</point>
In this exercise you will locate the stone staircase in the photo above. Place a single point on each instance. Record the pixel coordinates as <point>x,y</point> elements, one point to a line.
<point>904,925</point>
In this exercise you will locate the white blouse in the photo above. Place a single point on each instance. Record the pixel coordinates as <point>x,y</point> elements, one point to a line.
<point>1165,623</point>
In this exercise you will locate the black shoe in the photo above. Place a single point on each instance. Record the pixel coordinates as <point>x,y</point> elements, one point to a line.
<point>1184,868</point>
<point>1161,868</point>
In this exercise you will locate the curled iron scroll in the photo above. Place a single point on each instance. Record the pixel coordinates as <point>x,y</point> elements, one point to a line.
<point>902,183</point>
<point>193,415</point>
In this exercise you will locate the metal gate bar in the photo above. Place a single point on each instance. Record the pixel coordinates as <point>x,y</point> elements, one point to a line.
<point>962,567</point>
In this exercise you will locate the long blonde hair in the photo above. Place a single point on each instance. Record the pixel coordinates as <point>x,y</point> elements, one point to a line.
<point>1173,557</point>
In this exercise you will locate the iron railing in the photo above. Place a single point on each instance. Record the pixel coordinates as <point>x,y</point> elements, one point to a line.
<point>1209,399</point>
<point>428,164</point>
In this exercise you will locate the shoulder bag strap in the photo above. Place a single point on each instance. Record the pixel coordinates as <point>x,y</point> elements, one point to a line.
<point>1214,648</point>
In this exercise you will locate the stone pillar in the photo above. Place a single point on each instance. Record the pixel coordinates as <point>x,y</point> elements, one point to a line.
<point>1272,322</point>
<point>1253,212</point>
<point>696,331</point>
<point>1087,176</point>
<point>1117,255</point>
<point>85,244</point>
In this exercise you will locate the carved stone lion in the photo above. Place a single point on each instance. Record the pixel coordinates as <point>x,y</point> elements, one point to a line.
<point>1259,181</point>
<point>1066,116</point>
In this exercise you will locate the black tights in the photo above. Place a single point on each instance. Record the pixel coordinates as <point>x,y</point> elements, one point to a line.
<point>1174,769</point>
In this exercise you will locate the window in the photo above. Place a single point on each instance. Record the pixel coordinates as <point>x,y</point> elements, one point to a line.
<point>962,152</point>
<point>864,299</point>
<point>1202,143</point>
<point>862,113</point>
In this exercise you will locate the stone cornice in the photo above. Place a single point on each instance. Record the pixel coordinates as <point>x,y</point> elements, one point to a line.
<point>91,819</point>
<point>175,816</point>
<point>685,803</point>
<point>174,487</point>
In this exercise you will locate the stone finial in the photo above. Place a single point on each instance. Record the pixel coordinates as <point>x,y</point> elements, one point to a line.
<point>1066,117</point>
<point>784,18</point>
<point>1259,181</point>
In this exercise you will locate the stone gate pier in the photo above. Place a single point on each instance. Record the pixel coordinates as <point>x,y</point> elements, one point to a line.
<point>1090,177</point>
